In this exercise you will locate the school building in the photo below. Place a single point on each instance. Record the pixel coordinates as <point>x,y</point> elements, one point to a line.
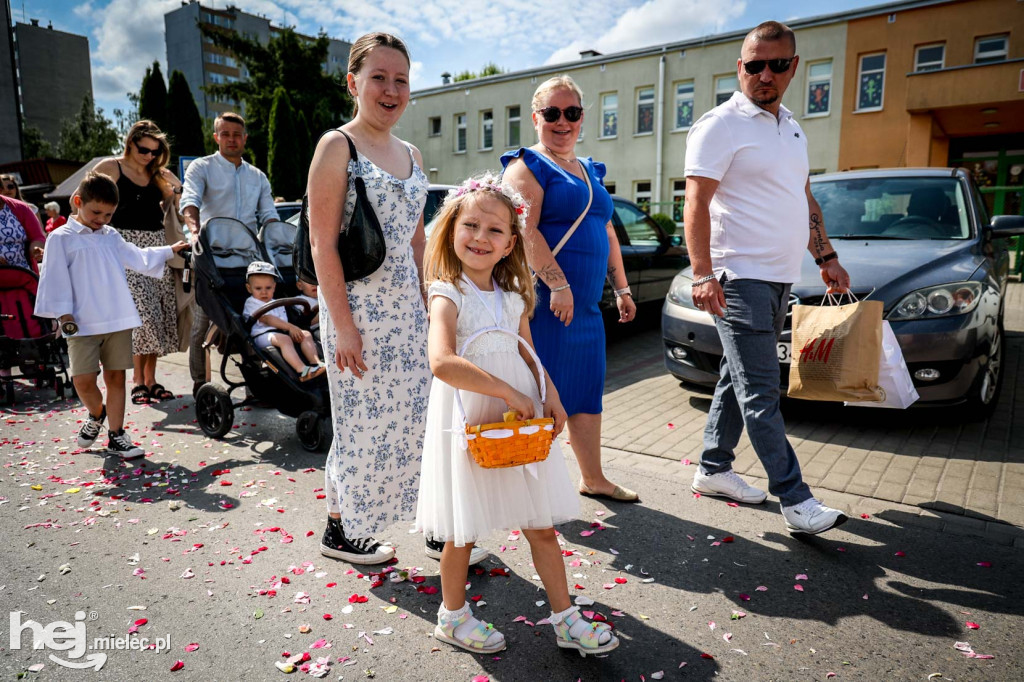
<point>914,83</point>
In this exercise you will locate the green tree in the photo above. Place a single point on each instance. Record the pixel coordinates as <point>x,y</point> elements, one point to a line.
<point>88,134</point>
<point>184,124</point>
<point>665,221</point>
<point>284,158</point>
<point>464,76</point>
<point>304,140</point>
<point>153,97</point>
<point>34,145</point>
<point>124,119</point>
<point>491,69</point>
<point>289,62</point>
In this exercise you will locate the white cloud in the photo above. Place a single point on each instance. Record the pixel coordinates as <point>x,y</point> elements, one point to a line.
<point>129,38</point>
<point>652,23</point>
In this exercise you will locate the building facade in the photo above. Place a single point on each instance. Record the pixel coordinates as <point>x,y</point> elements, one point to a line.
<point>203,63</point>
<point>941,85</point>
<point>640,104</point>
<point>54,74</point>
<point>10,116</point>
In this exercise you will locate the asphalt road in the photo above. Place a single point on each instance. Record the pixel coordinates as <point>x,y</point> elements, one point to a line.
<point>882,599</point>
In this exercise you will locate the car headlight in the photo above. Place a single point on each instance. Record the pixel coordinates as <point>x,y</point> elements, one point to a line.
<point>681,291</point>
<point>944,300</point>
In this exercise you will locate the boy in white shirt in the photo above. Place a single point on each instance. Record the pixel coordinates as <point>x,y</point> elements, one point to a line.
<point>273,327</point>
<point>83,286</point>
<point>308,292</point>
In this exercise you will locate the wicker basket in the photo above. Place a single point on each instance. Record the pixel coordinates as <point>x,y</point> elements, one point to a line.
<point>513,442</point>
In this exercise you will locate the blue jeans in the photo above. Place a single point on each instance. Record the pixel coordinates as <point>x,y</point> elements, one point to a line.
<point>747,393</point>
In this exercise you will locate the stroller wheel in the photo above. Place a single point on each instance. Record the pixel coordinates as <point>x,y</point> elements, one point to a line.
<point>214,410</point>
<point>314,431</point>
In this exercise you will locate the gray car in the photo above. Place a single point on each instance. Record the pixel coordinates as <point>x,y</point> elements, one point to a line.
<point>920,241</point>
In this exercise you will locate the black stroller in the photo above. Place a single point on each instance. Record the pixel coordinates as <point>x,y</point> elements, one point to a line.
<point>219,261</point>
<point>27,342</point>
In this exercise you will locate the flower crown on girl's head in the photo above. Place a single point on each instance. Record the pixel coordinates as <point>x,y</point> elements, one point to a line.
<point>488,182</point>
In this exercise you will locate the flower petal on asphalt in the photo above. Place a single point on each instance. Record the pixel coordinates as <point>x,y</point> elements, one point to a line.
<point>178,665</point>
<point>798,588</point>
<point>973,626</point>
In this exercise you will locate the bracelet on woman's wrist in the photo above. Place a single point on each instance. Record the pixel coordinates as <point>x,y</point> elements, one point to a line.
<point>623,292</point>
<point>561,288</point>
<point>703,280</point>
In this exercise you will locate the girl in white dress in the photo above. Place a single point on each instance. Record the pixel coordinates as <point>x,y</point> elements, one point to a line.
<point>476,267</point>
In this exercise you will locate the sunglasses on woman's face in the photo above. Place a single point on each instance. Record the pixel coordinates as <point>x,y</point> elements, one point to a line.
<point>146,151</point>
<point>756,66</point>
<point>551,114</point>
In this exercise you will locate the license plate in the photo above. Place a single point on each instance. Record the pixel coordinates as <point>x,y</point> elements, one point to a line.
<point>785,351</point>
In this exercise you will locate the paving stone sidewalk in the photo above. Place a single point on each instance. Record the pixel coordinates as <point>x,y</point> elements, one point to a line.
<point>965,477</point>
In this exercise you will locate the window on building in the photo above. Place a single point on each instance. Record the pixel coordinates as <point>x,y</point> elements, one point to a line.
<point>434,126</point>
<point>684,105</point>
<point>819,88</point>
<point>610,187</point>
<point>513,117</point>
<point>460,133</point>
<point>642,194</point>
<point>678,196</point>
<point>230,61</point>
<point>930,57</point>
<point>216,78</point>
<point>724,87</point>
<point>486,129</point>
<point>610,115</point>
<point>991,49</point>
<point>645,110</point>
<point>871,82</point>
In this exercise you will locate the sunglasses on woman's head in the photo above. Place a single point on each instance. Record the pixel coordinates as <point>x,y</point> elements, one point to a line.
<point>756,66</point>
<point>551,114</point>
<point>146,151</point>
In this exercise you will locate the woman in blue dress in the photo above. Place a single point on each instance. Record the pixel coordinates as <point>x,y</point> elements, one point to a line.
<point>567,328</point>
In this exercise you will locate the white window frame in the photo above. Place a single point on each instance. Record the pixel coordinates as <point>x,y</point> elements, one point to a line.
<point>605,108</point>
<point>460,128</point>
<point>860,72</point>
<point>430,126</point>
<point>640,93</point>
<point>509,120</point>
<point>719,90</point>
<point>814,81</point>
<point>640,195</point>
<point>679,99</point>
<point>920,66</point>
<point>678,195</point>
<point>1002,56</point>
<point>486,125</point>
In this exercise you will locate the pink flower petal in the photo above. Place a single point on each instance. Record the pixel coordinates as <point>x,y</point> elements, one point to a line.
<point>865,516</point>
<point>586,533</point>
<point>829,676</point>
<point>973,626</point>
<point>191,647</point>
<point>727,637</point>
<point>798,588</point>
<point>985,564</point>
<point>481,678</point>
<point>761,588</point>
<point>744,597</point>
<point>687,462</point>
<point>901,554</point>
<point>178,665</point>
<point>801,576</point>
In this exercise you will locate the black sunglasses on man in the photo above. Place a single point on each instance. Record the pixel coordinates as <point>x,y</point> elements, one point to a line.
<point>756,66</point>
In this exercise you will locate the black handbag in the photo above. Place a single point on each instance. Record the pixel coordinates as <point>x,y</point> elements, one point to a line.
<point>361,246</point>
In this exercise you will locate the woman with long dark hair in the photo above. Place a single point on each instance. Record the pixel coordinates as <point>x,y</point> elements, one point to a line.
<point>146,188</point>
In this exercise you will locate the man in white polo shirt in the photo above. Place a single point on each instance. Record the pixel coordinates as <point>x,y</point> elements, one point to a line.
<point>749,215</point>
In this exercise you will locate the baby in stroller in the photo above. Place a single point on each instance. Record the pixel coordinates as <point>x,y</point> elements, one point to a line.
<point>273,328</point>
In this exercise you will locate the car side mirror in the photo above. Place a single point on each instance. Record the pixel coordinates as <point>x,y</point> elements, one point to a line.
<point>1004,226</point>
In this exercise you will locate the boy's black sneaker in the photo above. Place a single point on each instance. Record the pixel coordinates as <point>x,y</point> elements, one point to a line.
<point>356,551</point>
<point>90,430</point>
<point>435,547</point>
<point>121,444</point>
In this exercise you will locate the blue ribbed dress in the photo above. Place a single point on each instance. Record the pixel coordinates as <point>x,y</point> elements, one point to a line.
<point>573,355</point>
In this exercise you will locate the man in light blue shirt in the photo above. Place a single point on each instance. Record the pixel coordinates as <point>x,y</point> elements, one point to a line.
<point>222,185</point>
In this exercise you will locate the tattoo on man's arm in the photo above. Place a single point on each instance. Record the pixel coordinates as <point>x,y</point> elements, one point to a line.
<point>818,238</point>
<point>551,274</point>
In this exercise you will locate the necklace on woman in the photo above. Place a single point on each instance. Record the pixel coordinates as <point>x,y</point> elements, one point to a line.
<point>560,158</point>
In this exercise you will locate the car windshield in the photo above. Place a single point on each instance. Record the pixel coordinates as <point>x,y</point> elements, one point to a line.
<point>893,208</point>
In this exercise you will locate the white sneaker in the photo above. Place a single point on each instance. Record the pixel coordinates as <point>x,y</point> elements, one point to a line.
<point>727,484</point>
<point>812,517</point>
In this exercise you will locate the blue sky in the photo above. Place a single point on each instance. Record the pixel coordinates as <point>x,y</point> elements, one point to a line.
<point>443,35</point>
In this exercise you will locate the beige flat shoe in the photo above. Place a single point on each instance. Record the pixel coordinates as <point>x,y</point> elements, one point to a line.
<point>620,494</point>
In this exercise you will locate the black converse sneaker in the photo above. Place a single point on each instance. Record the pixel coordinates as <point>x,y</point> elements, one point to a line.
<point>435,547</point>
<point>357,551</point>
<point>90,430</point>
<point>121,444</point>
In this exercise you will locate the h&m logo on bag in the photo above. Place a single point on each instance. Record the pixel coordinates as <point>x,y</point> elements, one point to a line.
<point>817,350</point>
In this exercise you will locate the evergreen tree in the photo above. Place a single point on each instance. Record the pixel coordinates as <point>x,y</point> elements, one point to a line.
<point>304,141</point>
<point>153,97</point>
<point>88,134</point>
<point>286,61</point>
<point>184,124</point>
<point>283,156</point>
<point>35,145</point>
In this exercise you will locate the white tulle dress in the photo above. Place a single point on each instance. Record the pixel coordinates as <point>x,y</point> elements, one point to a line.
<point>459,500</point>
